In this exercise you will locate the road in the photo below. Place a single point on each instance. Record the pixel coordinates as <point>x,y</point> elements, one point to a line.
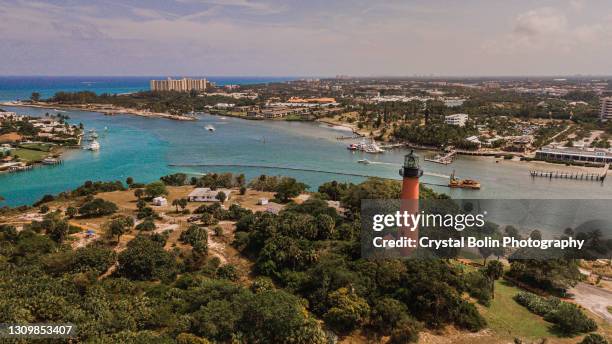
<point>597,300</point>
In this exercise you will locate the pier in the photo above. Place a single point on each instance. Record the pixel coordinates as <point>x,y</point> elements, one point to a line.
<point>393,145</point>
<point>445,160</point>
<point>572,175</point>
<point>352,137</point>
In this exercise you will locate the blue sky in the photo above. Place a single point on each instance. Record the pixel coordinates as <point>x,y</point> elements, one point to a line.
<point>306,38</point>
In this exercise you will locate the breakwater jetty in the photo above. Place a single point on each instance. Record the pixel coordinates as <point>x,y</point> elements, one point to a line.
<point>297,169</point>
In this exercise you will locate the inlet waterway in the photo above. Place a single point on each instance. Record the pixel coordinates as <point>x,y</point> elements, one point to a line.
<point>147,148</point>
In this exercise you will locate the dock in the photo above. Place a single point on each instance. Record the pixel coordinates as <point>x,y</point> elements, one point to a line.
<point>444,160</point>
<point>352,137</point>
<point>572,175</point>
<point>393,145</point>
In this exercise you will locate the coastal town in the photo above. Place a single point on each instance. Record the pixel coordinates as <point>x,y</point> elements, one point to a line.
<point>27,141</point>
<point>555,120</point>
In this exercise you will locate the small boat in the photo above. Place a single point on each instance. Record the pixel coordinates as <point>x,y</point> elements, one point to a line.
<point>94,135</point>
<point>210,128</point>
<point>463,183</point>
<point>364,161</point>
<point>50,161</point>
<point>93,146</point>
<point>352,146</point>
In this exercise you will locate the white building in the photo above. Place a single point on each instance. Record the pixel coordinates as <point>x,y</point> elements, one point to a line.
<point>180,85</point>
<point>207,195</point>
<point>605,112</point>
<point>160,201</point>
<point>456,119</point>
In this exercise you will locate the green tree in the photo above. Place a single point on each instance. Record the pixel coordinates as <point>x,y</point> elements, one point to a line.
<point>289,188</point>
<point>183,203</point>
<point>146,225</point>
<point>346,310</point>
<point>118,226</point>
<point>494,270</point>
<point>97,207</point>
<point>145,259</point>
<point>35,96</point>
<point>156,189</point>
<point>221,196</point>
<point>138,193</point>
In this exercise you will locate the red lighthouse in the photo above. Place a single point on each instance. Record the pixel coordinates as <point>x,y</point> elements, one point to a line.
<point>410,172</point>
<point>409,198</point>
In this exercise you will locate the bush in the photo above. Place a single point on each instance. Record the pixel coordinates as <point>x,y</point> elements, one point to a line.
<point>97,207</point>
<point>567,317</point>
<point>536,304</point>
<point>146,225</point>
<point>468,318</point>
<point>228,272</point>
<point>570,320</point>
<point>145,259</point>
<point>594,338</point>
<point>406,331</point>
<point>346,311</point>
<point>479,287</point>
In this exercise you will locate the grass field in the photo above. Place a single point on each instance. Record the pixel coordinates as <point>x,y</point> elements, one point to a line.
<point>29,155</point>
<point>44,147</point>
<point>509,319</point>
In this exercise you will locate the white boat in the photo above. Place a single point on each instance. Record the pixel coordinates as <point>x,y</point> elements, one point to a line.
<point>94,135</point>
<point>93,146</point>
<point>210,128</point>
<point>368,147</point>
<point>363,161</point>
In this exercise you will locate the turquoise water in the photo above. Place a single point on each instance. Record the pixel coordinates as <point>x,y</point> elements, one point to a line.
<point>145,149</point>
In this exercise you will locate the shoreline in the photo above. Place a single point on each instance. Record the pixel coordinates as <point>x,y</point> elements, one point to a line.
<point>331,123</point>
<point>107,110</point>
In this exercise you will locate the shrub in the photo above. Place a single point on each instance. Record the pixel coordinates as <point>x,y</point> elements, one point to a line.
<point>97,207</point>
<point>406,331</point>
<point>228,271</point>
<point>570,320</point>
<point>567,317</point>
<point>145,259</point>
<point>594,338</point>
<point>146,225</point>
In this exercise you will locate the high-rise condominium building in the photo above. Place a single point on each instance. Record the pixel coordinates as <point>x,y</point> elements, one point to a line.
<point>605,112</point>
<point>180,85</point>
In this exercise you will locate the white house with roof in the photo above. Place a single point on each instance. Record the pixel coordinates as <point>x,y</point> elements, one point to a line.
<point>207,195</point>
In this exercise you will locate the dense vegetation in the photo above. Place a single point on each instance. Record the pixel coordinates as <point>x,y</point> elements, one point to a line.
<point>308,283</point>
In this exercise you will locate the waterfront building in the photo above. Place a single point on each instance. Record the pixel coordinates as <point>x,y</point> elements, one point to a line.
<point>458,119</point>
<point>207,195</point>
<point>605,112</point>
<point>179,85</point>
<point>573,154</point>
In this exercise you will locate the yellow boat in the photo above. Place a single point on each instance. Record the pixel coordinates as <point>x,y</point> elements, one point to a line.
<point>463,183</point>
